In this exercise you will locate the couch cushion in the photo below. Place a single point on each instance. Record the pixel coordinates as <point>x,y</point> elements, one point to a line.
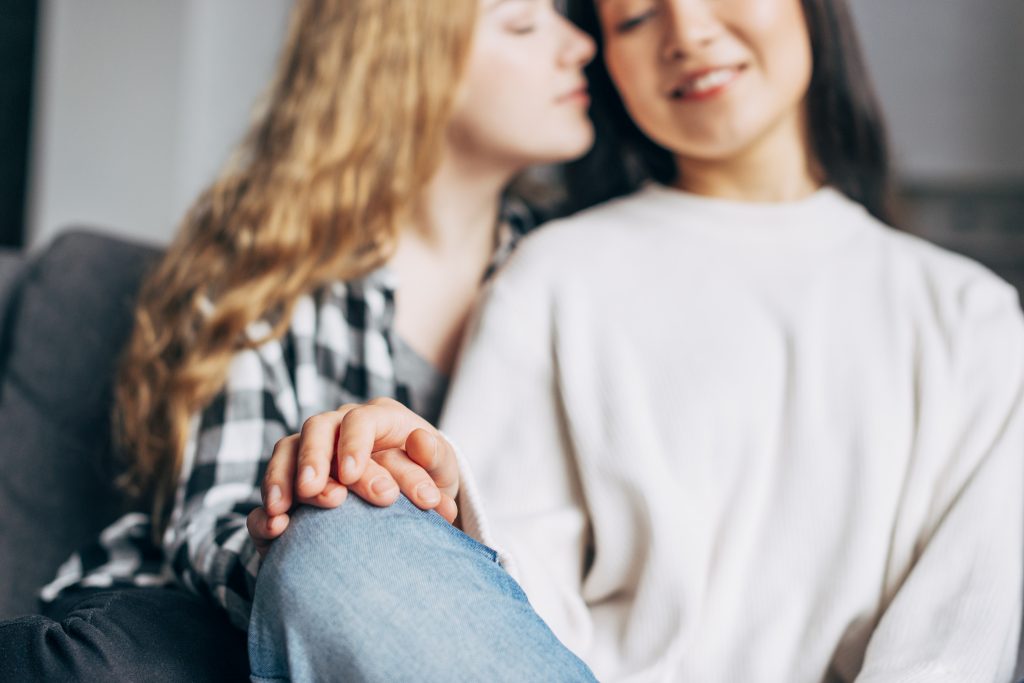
<point>11,262</point>
<point>12,265</point>
<point>66,328</point>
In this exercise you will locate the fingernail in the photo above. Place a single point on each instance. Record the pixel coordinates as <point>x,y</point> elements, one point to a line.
<point>348,468</point>
<point>428,493</point>
<point>308,474</point>
<point>274,494</point>
<point>382,485</point>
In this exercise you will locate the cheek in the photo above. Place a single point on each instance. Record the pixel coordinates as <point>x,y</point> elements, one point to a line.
<point>509,86</point>
<point>778,30</point>
<point>634,76</point>
<point>484,96</point>
<point>502,105</point>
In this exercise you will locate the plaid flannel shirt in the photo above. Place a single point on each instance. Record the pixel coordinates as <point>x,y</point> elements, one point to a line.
<point>338,349</point>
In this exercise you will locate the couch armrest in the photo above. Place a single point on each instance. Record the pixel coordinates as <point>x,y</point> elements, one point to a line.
<point>12,267</point>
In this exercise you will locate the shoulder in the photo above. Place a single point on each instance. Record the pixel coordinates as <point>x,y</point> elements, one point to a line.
<point>955,288</point>
<point>568,248</point>
<point>330,331</point>
<point>967,320</point>
<point>610,220</point>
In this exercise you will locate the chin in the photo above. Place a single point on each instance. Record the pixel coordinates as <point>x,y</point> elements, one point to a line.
<point>708,148</point>
<point>568,146</point>
<point>579,142</point>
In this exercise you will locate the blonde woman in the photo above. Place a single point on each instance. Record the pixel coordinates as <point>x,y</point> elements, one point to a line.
<point>334,260</point>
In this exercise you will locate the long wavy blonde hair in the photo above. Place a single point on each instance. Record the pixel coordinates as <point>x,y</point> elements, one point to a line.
<point>350,131</point>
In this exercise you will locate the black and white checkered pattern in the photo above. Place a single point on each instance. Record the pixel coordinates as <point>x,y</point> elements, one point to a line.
<point>338,349</point>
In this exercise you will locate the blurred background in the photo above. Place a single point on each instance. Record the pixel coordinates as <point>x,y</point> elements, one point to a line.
<point>115,113</point>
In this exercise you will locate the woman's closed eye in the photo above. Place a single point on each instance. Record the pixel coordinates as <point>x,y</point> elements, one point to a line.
<point>519,17</point>
<point>629,23</point>
<point>522,28</point>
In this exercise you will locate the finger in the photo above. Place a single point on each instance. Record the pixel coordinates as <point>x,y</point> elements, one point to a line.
<point>264,528</point>
<point>376,486</point>
<point>256,523</point>
<point>376,426</point>
<point>412,479</point>
<point>433,453</point>
<point>316,449</point>
<point>278,480</point>
<point>447,508</point>
<point>333,495</point>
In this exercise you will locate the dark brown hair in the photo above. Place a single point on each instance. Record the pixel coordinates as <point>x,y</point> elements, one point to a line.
<point>846,128</point>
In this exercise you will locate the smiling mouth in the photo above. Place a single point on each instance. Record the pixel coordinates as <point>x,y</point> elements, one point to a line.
<point>706,84</point>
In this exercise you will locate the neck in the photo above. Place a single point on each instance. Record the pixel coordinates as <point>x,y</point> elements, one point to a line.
<point>776,168</point>
<point>458,209</point>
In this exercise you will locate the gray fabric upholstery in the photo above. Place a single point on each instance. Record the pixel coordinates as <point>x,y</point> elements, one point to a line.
<point>66,323</point>
<point>11,262</point>
<point>12,266</point>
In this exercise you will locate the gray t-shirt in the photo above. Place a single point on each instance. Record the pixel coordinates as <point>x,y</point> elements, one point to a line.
<point>426,384</point>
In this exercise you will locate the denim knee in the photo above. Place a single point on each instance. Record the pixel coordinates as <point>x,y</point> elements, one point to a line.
<point>394,594</point>
<point>346,549</point>
<point>348,581</point>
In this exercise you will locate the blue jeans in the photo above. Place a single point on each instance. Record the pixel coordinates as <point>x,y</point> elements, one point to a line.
<point>361,593</point>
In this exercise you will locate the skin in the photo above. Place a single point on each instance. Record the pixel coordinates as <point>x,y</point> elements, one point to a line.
<point>511,112</point>
<point>747,141</point>
<point>521,102</point>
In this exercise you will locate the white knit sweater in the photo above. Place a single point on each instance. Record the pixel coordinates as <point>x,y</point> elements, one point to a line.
<point>735,442</point>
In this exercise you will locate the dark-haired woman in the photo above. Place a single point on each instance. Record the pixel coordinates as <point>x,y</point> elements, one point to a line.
<point>731,427</point>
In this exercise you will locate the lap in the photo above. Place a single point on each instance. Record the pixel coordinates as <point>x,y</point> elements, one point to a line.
<point>145,634</point>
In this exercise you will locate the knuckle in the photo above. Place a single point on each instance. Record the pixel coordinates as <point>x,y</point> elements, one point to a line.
<point>284,442</point>
<point>391,455</point>
<point>313,422</point>
<point>355,415</point>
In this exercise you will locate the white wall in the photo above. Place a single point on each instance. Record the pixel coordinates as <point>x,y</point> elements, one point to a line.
<point>139,102</point>
<point>950,74</point>
<point>228,54</point>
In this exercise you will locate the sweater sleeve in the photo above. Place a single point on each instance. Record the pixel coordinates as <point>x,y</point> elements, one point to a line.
<point>230,443</point>
<point>520,493</point>
<point>956,614</point>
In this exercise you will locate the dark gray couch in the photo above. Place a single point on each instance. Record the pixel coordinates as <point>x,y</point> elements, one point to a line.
<point>66,312</point>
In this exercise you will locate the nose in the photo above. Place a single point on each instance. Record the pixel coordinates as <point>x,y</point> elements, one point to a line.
<point>692,26</point>
<point>578,48</point>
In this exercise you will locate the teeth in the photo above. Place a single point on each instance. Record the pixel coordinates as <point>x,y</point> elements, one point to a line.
<point>709,81</point>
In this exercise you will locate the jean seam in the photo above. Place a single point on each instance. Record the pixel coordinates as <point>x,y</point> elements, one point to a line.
<point>22,620</point>
<point>93,611</point>
<point>476,545</point>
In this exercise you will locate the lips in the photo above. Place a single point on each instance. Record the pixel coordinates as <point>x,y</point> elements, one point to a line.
<point>705,82</point>
<point>577,93</point>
